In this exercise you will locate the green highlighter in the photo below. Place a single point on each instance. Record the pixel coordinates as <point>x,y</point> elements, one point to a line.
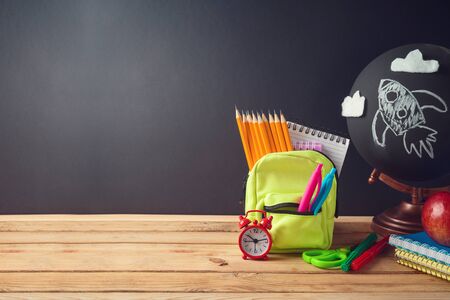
<point>363,246</point>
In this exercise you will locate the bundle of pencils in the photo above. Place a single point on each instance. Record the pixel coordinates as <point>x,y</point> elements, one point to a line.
<point>261,136</point>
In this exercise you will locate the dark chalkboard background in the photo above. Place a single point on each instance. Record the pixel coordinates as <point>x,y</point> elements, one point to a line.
<point>128,106</point>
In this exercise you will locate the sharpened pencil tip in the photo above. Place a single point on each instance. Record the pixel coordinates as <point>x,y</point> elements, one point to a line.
<point>276,118</point>
<point>264,117</point>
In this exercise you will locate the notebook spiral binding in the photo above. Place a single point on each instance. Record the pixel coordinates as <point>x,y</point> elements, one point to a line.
<point>313,132</point>
<point>441,255</point>
<point>423,261</point>
<point>423,269</point>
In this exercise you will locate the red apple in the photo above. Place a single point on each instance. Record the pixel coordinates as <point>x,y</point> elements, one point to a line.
<point>436,217</point>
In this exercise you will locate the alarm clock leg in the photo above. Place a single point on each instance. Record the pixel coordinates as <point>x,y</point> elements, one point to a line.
<point>244,257</point>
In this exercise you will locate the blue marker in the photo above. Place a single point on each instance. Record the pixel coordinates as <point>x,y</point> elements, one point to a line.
<point>324,191</point>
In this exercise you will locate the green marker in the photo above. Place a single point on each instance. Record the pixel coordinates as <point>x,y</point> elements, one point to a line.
<point>363,246</point>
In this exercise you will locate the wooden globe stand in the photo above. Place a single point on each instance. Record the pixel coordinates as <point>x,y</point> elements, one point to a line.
<point>405,217</point>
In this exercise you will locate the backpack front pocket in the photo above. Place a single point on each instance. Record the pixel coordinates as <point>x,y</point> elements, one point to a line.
<point>293,231</point>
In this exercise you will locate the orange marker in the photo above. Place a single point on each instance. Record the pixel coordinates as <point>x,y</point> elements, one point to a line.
<point>287,138</point>
<point>280,133</point>
<point>269,133</point>
<point>273,130</point>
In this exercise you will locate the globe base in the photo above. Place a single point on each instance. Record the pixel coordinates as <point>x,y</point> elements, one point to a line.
<point>406,217</point>
<point>402,219</point>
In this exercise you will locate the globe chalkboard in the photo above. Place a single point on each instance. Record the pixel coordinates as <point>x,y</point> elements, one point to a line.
<point>405,128</point>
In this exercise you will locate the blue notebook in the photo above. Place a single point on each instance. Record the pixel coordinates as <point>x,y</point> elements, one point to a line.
<point>420,243</point>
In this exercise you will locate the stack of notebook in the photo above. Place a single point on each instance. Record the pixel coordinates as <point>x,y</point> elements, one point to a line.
<point>420,252</point>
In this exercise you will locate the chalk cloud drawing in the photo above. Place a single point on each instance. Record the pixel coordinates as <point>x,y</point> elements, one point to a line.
<point>353,106</point>
<point>414,63</point>
<point>399,111</point>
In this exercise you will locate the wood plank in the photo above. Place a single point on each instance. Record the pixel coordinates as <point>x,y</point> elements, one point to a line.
<point>149,223</point>
<point>226,296</point>
<point>217,282</point>
<point>123,217</point>
<point>142,217</point>
<point>104,237</point>
<point>196,257</point>
<point>160,257</point>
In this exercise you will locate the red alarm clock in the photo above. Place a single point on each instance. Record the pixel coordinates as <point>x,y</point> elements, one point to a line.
<point>255,240</point>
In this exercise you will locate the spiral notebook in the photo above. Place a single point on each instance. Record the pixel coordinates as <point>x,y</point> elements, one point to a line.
<point>422,261</point>
<point>333,146</point>
<point>420,243</point>
<point>423,269</point>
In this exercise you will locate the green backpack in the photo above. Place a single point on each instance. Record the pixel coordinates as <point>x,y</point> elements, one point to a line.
<point>275,184</point>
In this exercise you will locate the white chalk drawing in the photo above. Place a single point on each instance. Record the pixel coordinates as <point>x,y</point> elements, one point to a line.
<point>414,63</point>
<point>402,114</point>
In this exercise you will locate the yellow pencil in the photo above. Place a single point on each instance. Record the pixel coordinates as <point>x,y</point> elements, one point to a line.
<point>263,134</point>
<point>259,141</point>
<point>244,139</point>
<point>269,133</point>
<point>287,138</point>
<point>254,138</point>
<point>280,133</point>
<point>249,138</point>
<point>274,133</point>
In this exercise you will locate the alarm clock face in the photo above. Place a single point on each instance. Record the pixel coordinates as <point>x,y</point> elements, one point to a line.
<point>255,242</point>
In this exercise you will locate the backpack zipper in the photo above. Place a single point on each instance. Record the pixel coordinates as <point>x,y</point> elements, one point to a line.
<point>275,209</point>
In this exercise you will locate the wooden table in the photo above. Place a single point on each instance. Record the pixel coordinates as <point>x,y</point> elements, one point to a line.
<point>181,257</point>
